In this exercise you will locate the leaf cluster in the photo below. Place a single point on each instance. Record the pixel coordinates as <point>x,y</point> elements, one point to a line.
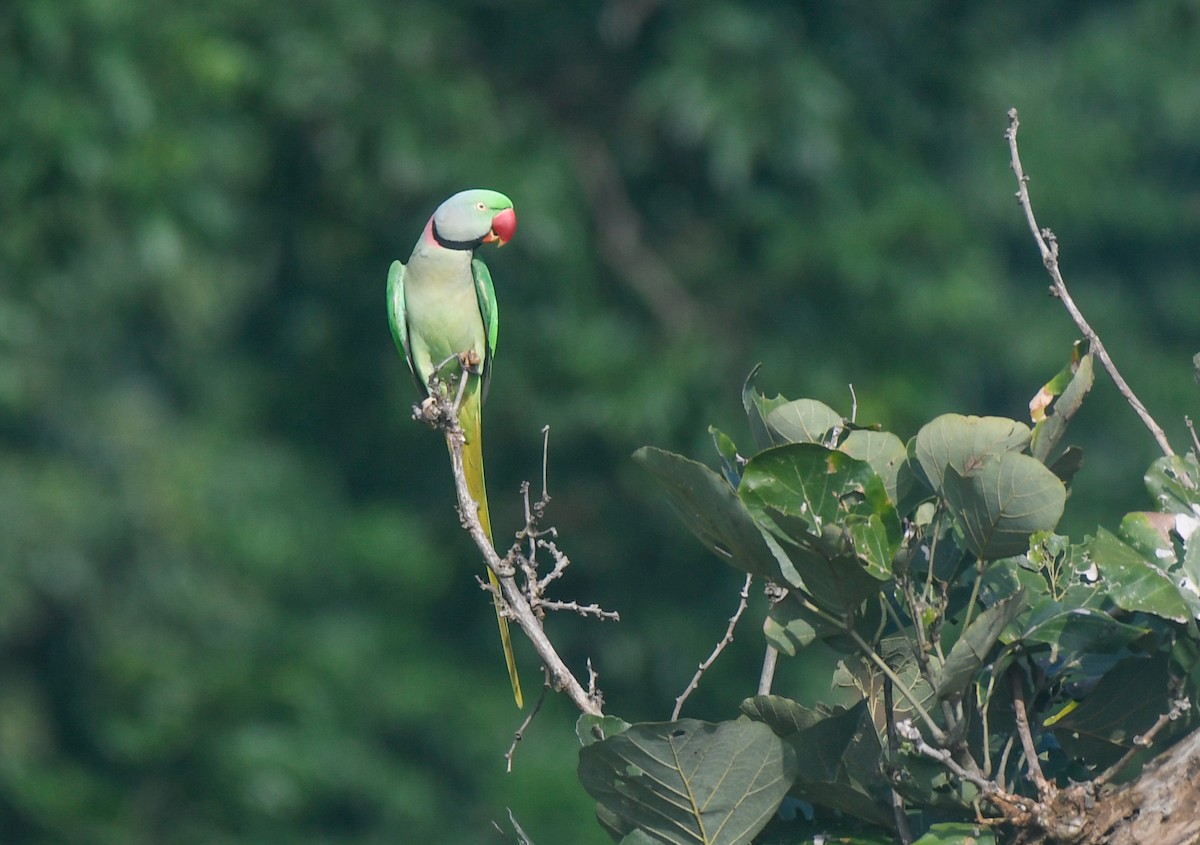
<point>930,567</point>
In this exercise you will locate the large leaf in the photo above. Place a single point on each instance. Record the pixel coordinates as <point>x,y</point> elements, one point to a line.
<point>691,782</point>
<point>1003,499</point>
<point>1062,635</point>
<point>782,715</point>
<point>774,422</point>
<point>790,626</point>
<point>1174,482</point>
<point>830,516</point>
<point>837,753</point>
<point>884,451</point>
<point>711,510</point>
<point>802,421</point>
<point>961,443</point>
<point>972,647</point>
<point>1126,701</point>
<point>1135,583</point>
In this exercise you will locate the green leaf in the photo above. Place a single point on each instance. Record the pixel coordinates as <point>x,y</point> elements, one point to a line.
<point>820,747</point>
<point>957,833</point>
<point>1126,701</point>
<point>884,451</point>
<point>1071,633</point>
<point>782,715</point>
<point>790,626</point>
<point>961,443</point>
<point>972,647</point>
<point>691,782</point>
<point>591,729</point>
<point>774,422</point>
<point>1135,583</point>
<point>835,530</point>
<point>1174,482</point>
<point>1002,500</point>
<point>712,511</point>
<point>757,408</point>
<point>1149,534</point>
<point>1068,464</point>
<point>1049,430</point>
<point>727,450</point>
<point>802,421</point>
<point>837,753</point>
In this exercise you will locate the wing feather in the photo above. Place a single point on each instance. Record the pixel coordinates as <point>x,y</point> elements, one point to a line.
<point>485,292</point>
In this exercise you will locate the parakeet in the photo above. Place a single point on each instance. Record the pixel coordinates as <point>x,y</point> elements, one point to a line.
<point>442,311</point>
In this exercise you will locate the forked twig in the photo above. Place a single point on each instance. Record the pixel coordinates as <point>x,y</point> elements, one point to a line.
<point>1032,764</point>
<point>1178,708</point>
<point>439,412</point>
<point>1048,246</point>
<point>520,732</point>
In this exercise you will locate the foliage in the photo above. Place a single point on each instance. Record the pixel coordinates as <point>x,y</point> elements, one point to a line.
<point>959,619</point>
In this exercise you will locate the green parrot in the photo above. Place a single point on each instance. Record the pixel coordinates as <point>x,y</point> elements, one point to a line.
<point>442,310</point>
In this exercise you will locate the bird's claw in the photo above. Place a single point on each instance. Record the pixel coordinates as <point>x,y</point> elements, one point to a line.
<point>470,360</point>
<point>427,411</point>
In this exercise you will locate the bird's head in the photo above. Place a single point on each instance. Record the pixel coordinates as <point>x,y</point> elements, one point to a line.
<point>474,217</point>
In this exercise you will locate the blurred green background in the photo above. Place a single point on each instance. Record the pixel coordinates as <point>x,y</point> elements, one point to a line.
<point>235,605</point>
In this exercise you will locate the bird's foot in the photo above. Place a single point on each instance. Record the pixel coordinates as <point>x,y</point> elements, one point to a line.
<point>470,361</point>
<point>428,411</point>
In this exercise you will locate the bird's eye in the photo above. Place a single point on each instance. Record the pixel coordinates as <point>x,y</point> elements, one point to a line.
<point>480,206</point>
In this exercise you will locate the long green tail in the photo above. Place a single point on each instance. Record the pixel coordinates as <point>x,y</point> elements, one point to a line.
<point>469,419</point>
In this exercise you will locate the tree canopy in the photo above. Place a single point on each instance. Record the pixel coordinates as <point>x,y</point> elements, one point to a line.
<point>235,605</point>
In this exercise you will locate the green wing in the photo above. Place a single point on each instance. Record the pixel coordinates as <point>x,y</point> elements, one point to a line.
<point>398,319</point>
<point>486,294</point>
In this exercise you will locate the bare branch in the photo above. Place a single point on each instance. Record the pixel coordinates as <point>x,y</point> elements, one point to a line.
<point>767,676</point>
<point>1178,708</point>
<point>744,599</point>
<point>1048,246</point>
<point>581,609</point>
<point>517,605</point>
<point>545,462</point>
<point>520,732</point>
<point>1031,756</point>
<point>1195,440</point>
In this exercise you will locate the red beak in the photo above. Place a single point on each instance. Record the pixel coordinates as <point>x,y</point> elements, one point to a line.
<point>504,225</point>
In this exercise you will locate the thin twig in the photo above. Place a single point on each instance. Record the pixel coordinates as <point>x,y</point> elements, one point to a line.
<point>1032,764</point>
<point>1000,769</point>
<point>743,601</point>
<point>1195,439</point>
<point>974,593</point>
<point>1048,246</point>
<point>520,733</point>
<point>581,609</point>
<point>1003,799</point>
<point>545,462</point>
<point>1178,708</point>
<point>984,710</point>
